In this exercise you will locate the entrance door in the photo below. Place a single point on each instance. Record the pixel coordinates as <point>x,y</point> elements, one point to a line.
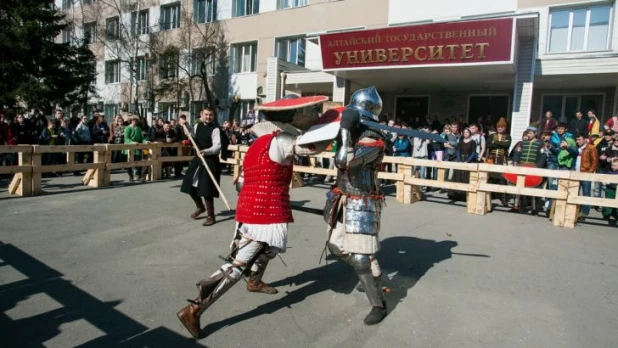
<point>408,108</point>
<point>481,106</point>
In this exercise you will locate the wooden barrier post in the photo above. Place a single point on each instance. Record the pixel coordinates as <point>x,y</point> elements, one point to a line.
<point>21,183</point>
<point>36,175</point>
<point>410,195</point>
<point>571,211</point>
<point>559,206</point>
<point>100,158</point>
<point>441,174</point>
<point>472,196</point>
<point>25,189</point>
<point>237,161</point>
<point>107,172</point>
<point>399,186</point>
<point>70,156</point>
<point>481,197</point>
<point>157,165</point>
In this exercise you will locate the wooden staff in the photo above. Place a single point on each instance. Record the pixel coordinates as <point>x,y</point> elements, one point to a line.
<point>212,177</point>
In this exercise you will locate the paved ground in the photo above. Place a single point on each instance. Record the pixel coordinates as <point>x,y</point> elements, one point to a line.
<point>110,267</point>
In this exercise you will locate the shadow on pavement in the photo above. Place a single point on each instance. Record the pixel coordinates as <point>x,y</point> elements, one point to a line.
<point>34,331</point>
<point>404,260</point>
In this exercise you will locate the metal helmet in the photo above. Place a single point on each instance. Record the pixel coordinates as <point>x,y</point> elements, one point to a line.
<point>368,102</point>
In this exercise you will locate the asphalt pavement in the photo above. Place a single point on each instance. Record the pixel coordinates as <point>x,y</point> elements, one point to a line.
<point>111,267</point>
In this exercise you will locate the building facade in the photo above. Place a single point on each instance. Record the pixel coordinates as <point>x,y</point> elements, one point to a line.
<point>446,58</point>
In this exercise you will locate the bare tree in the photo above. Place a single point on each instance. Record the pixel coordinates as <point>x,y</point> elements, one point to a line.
<point>122,27</point>
<point>200,49</point>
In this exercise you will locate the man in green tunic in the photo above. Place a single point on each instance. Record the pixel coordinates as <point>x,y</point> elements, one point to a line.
<point>133,135</point>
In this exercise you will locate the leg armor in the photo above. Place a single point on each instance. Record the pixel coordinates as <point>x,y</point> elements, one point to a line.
<point>261,262</point>
<point>369,274</point>
<point>365,266</point>
<point>212,288</point>
<point>257,269</point>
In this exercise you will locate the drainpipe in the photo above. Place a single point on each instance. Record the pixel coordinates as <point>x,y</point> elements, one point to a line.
<point>283,77</point>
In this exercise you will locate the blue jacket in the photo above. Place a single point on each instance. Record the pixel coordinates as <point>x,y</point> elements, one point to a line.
<point>402,147</point>
<point>555,149</point>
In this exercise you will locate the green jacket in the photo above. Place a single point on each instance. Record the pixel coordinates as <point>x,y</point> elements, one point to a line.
<point>133,135</point>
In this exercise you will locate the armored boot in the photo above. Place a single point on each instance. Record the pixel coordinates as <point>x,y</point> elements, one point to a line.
<point>199,205</point>
<point>210,212</point>
<point>190,317</point>
<point>255,283</point>
<point>373,289</point>
<point>210,290</point>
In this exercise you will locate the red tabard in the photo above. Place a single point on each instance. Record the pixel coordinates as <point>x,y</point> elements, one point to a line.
<point>265,194</point>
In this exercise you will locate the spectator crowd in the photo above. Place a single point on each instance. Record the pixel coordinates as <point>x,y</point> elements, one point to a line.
<point>584,145</point>
<point>35,128</point>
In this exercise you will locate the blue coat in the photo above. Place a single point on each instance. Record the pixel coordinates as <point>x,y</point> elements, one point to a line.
<point>402,147</point>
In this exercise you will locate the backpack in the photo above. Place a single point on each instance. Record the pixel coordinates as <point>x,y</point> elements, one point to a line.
<point>225,143</point>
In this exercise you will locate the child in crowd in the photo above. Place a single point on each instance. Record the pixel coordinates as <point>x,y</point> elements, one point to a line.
<point>66,133</point>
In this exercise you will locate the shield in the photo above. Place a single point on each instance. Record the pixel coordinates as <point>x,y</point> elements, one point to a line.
<point>325,128</point>
<point>292,103</point>
<point>530,181</point>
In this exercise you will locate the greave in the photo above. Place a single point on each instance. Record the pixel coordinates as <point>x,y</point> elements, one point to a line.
<point>257,271</point>
<point>211,289</point>
<point>261,262</point>
<point>373,288</point>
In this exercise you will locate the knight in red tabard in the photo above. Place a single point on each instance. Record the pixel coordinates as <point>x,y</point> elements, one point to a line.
<point>263,212</point>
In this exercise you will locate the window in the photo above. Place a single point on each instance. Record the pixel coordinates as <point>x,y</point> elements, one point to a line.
<point>291,50</point>
<point>141,110</point>
<point>66,36</point>
<point>579,29</point>
<point>168,111</point>
<point>204,11</point>
<point>244,57</point>
<point>245,7</point>
<point>201,57</point>
<point>112,71</point>
<point>90,32</point>
<point>564,107</point>
<point>139,22</point>
<point>66,4</point>
<point>243,110</point>
<point>281,4</point>
<point>168,66</point>
<point>112,28</point>
<point>141,69</point>
<point>110,111</point>
<point>170,16</point>
<point>87,2</point>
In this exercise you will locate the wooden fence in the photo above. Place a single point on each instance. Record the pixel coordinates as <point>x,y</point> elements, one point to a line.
<point>566,199</point>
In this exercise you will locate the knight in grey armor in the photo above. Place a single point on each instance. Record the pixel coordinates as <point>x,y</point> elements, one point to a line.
<point>353,206</point>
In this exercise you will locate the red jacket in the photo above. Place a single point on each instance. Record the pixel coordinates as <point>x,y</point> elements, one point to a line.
<point>265,194</point>
<point>6,135</point>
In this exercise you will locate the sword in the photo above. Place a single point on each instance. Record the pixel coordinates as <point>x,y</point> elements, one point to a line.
<point>402,131</point>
